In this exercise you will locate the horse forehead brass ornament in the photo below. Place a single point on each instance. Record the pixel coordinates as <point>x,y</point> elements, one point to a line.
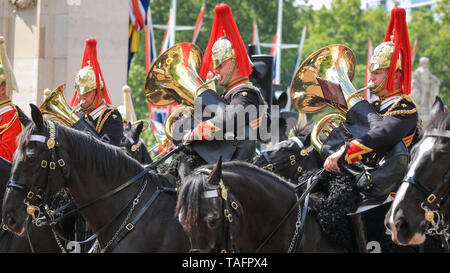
<point>51,140</point>
<point>224,191</point>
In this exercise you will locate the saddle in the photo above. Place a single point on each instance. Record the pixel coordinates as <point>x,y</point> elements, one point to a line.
<point>377,174</point>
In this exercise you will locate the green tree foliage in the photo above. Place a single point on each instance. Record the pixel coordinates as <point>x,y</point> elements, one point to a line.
<point>344,23</point>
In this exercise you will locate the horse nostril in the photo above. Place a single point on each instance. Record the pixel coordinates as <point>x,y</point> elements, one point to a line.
<point>402,227</point>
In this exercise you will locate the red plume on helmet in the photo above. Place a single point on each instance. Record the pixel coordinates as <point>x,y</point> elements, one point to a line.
<point>224,24</point>
<point>90,54</point>
<point>397,27</point>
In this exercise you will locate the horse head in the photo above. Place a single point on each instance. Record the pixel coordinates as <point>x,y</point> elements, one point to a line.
<point>35,162</point>
<point>208,212</point>
<point>133,145</point>
<point>291,157</point>
<point>421,205</point>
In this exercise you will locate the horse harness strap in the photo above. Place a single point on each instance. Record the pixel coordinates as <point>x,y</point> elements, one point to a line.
<point>130,226</point>
<point>314,179</point>
<point>301,221</point>
<point>50,218</point>
<point>228,206</point>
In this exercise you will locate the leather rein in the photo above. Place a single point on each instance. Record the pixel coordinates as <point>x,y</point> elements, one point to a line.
<point>42,214</point>
<point>271,166</point>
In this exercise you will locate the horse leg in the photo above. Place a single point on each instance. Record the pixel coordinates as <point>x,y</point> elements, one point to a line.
<point>360,232</point>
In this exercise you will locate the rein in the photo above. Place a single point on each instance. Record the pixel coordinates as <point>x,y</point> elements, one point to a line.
<point>271,166</point>
<point>312,181</point>
<point>52,217</point>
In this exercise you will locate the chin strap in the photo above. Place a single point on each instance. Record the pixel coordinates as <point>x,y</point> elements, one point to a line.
<point>380,87</point>
<point>230,72</point>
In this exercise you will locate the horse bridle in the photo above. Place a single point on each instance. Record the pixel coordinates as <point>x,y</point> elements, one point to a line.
<point>433,199</point>
<point>34,193</point>
<point>271,166</point>
<point>52,217</point>
<point>229,207</point>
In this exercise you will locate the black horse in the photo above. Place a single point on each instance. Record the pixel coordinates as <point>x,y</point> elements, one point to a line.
<point>111,190</point>
<point>292,157</point>
<point>133,145</point>
<point>37,239</point>
<point>236,206</point>
<point>421,206</point>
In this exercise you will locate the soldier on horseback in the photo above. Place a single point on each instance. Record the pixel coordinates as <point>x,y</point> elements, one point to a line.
<point>227,57</point>
<point>91,98</point>
<point>390,68</point>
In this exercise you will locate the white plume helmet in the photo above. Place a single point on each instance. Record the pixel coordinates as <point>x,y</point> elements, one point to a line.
<point>6,72</point>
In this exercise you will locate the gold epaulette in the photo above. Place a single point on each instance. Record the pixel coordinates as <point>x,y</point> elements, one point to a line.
<point>391,111</point>
<point>104,117</point>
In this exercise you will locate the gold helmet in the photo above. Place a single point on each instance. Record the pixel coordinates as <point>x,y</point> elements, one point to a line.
<point>224,47</point>
<point>90,77</point>
<point>382,55</point>
<point>222,50</point>
<point>85,81</point>
<point>394,53</point>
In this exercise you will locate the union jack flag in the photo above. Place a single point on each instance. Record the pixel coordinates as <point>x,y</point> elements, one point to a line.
<point>198,24</point>
<point>137,21</point>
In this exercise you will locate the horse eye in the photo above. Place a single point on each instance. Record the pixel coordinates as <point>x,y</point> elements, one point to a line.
<point>30,157</point>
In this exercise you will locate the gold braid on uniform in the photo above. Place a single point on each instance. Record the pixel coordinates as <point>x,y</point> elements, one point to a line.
<point>389,112</point>
<point>103,118</point>
<point>6,126</point>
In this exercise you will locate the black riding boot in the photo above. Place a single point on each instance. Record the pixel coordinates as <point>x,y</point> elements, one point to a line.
<point>360,232</point>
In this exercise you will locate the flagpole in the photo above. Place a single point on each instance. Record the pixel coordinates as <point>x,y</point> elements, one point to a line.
<point>173,23</point>
<point>297,64</point>
<point>278,42</point>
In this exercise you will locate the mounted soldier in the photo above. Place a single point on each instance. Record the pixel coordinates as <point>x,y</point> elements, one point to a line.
<point>377,152</point>
<point>227,57</point>
<point>91,99</point>
<point>370,145</point>
<point>223,127</point>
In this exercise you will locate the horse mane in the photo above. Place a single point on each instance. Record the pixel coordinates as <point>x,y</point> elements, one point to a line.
<point>115,161</point>
<point>191,190</point>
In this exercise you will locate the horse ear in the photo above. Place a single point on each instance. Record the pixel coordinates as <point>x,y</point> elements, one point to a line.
<point>139,128</point>
<point>128,127</point>
<point>438,106</point>
<point>24,119</point>
<point>216,174</point>
<point>37,118</point>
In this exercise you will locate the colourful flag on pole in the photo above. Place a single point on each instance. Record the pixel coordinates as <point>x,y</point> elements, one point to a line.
<point>169,35</point>
<point>297,64</point>
<point>274,53</point>
<point>198,24</point>
<point>276,48</point>
<point>255,37</point>
<point>137,21</point>
<point>413,54</point>
<point>150,51</point>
